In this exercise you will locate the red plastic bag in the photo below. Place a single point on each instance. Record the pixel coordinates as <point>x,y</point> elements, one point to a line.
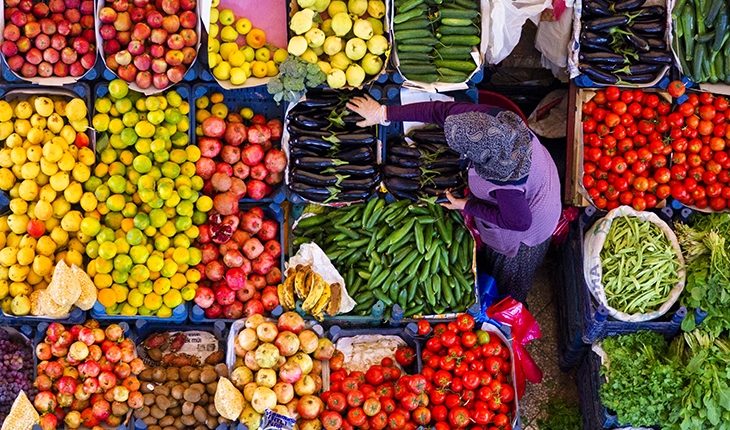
<point>524,330</point>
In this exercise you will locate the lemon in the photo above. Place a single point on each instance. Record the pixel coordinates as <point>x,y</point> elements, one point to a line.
<point>107,250</point>
<point>90,226</point>
<point>169,268</point>
<point>172,299</point>
<point>107,297</point>
<point>135,298</point>
<point>152,301</point>
<point>120,277</point>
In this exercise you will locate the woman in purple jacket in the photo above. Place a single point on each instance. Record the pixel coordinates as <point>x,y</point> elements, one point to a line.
<point>513,181</point>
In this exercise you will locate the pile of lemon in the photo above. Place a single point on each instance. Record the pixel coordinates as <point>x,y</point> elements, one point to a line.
<point>149,207</point>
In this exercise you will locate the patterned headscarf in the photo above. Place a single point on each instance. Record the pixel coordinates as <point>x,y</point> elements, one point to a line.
<point>499,147</point>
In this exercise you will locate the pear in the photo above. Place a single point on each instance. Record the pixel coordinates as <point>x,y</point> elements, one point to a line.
<point>355,75</point>
<point>341,24</point>
<point>335,7</point>
<point>356,49</point>
<point>363,29</point>
<point>372,64</point>
<point>358,7</point>
<point>321,5</point>
<point>315,37</point>
<point>305,3</point>
<point>376,8</point>
<point>297,45</point>
<point>301,22</point>
<point>377,44</point>
<point>340,61</point>
<point>333,45</point>
<point>336,78</point>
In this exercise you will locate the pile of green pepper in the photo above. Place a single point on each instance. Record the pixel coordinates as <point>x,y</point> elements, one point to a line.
<point>417,255</point>
<point>701,39</point>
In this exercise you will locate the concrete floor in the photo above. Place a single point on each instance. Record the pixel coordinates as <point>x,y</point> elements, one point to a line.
<point>542,304</point>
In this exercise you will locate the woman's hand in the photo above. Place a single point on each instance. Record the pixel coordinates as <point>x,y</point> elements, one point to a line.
<point>369,109</point>
<point>454,203</point>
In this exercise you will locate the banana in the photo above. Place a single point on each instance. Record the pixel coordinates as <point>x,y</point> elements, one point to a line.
<point>317,289</point>
<point>318,309</point>
<point>286,295</point>
<point>300,281</point>
<point>333,308</point>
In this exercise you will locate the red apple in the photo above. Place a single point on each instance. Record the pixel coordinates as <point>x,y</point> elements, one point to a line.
<point>51,55</point>
<point>60,69</point>
<point>107,15</point>
<point>175,41</point>
<point>188,19</point>
<point>68,55</point>
<point>160,81</point>
<point>171,23</point>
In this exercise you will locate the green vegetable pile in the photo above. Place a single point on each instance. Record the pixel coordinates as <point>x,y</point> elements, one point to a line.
<point>705,249</point>
<point>560,416</point>
<point>295,76</point>
<point>640,268</point>
<point>643,383</point>
<point>417,255</point>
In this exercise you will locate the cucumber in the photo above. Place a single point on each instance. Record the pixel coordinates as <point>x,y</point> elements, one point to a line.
<point>408,5</point>
<point>414,48</point>
<point>445,71</point>
<point>411,34</point>
<point>414,56</point>
<point>466,31</point>
<point>454,53</point>
<point>412,24</point>
<point>463,66</point>
<point>453,79</point>
<point>416,68</point>
<point>427,78</point>
<point>429,40</point>
<point>471,4</point>
<point>457,13</point>
<point>460,40</point>
<point>411,14</point>
<point>457,22</point>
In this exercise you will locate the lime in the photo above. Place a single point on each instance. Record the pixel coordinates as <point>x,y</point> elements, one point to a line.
<point>155,263</point>
<point>165,189</point>
<point>135,236</point>
<point>188,293</point>
<point>145,287</point>
<point>92,249</point>
<point>103,104</point>
<point>193,232</point>
<point>101,122</point>
<point>118,88</point>
<point>146,195</point>
<point>181,256</point>
<point>163,133</point>
<point>143,145</point>
<point>192,275</point>
<point>102,192</point>
<point>173,116</point>
<point>198,183</point>
<point>117,184</point>
<point>115,141</point>
<point>185,208</point>
<point>130,119</point>
<point>157,218</point>
<point>152,103</point>
<point>169,268</point>
<point>144,311</point>
<point>122,245</point>
<point>157,203</point>
<point>183,223</point>
<point>135,298</point>
<point>146,181</point>
<point>105,235</point>
<point>157,145</point>
<point>173,98</point>
<point>128,310</point>
<point>90,226</point>
<point>123,263</point>
<point>162,243</point>
<point>142,164</point>
<point>139,254</point>
<point>162,156</point>
<point>141,221</point>
<point>115,126</point>
<point>104,266</point>
<point>128,136</point>
<point>156,117</point>
<point>164,312</point>
<point>116,202</point>
<point>140,273</point>
<point>193,153</point>
<point>180,139</point>
<point>170,212</point>
<point>156,173</point>
<point>181,241</point>
<point>119,277</point>
<point>129,210</point>
<point>150,232</point>
<point>92,184</point>
<point>123,105</point>
<point>247,113</point>
<point>170,169</point>
<point>199,218</point>
<point>107,251</point>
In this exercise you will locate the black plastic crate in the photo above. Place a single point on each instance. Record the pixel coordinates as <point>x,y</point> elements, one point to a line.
<point>582,320</point>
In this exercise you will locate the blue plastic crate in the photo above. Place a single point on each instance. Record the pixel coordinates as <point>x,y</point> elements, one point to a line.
<point>90,75</point>
<point>179,315</point>
<point>191,75</point>
<point>39,334</point>
<point>271,211</point>
<point>586,321</point>
<point>256,98</point>
<point>75,316</point>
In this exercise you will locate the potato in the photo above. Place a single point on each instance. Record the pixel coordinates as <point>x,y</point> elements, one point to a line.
<point>173,374</point>
<point>146,375</point>
<point>142,412</point>
<point>192,395</point>
<point>187,408</point>
<point>212,411</point>
<point>170,384</point>
<point>194,376</point>
<point>146,387</point>
<point>166,421</point>
<point>157,412</point>
<point>179,424</point>
<point>149,399</point>
<point>188,420</point>
<point>150,420</point>
<point>208,375</point>
<point>159,375</point>
<point>173,402</point>
<point>161,390</point>
<point>204,398</point>
<point>210,388</point>
<point>184,372</point>
<point>154,428</point>
<point>200,414</point>
<point>177,392</point>
<point>221,369</point>
<point>199,387</point>
<point>162,402</point>
<point>155,354</point>
<point>175,411</point>
<point>212,423</point>
<point>170,428</point>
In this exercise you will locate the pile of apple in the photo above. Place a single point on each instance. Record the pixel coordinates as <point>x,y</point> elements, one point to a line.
<point>279,367</point>
<point>238,160</point>
<point>149,42</point>
<point>240,265</point>
<point>54,39</point>
<point>86,376</point>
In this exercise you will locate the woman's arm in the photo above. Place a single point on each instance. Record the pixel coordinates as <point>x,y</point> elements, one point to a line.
<point>434,112</point>
<point>512,211</point>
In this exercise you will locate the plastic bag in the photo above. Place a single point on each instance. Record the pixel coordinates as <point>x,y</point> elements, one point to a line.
<point>593,270</point>
<point>561,231</point>
<point>503,31</point>
<point>524,330</point>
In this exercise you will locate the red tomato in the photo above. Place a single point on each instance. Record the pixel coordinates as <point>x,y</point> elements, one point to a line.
<point>621,184</point>
<point>405,355</point>
<point>699,193</point>
<point>434,344</point>
<point>357,417</point>
<point>337,402</point>
<point>374,375</point>
<point>612,94</point>
<point>686,109</point>
<point>605,163</point>
<point>452,401</point>
<point>465,322</point>
<point>500,420</point>
<point>409,401</point>
<point>481,416</point>
<point>379,421</point>
<point>468,339</point>
<point>705,128</point>
<point>447,362</point>
<point>459,417</point>
<point>619,165</point>
<point>725,194</point>
<point>599,114</point>
<point>651,100</point>
<point>638,203</point>
<point>663,175</point>
<point>612,119</point>
<point>493,365</point>
<point>644,155</point>
<point>694,160</point>
<point>421,416</point>
<point>651,200</point>
<point>442,378</point>
<point>706,98</point>
<point>355,398</point>
<point>439,412</point>
<point>387,404</point>
<point>627,96</point>
<point>709,178</point>
<point>718,203</point>
<point>638,95</point>
<point>600,202</point>
<point>457,385</point>
<point>640,184</point>
<point>676,89</point>
<point>646,127</point>
<point>588,107</point>
<point>663,108</point>
<point>693,99</point>
<point>417,384</point>
<point>634,109</point>
<point>713,190</point>
<point>423,327</point>
<point>679,193</point>
<point>618,107</point>
<point>639,167</point>
<point>720,103</point>
<point>470,380</point>
<point>331,420</point>
<point>599,97</point>
<point>349,384</point>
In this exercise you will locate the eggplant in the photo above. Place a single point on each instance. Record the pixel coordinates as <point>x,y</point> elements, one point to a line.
<point>357,138</point>
<point>296,152</point>
<point>401,172</point>
<point>402,184</point>
<point>656,43</point>
<point>403,195</point>
<point>444,163</point>
<point>634,69</point>
<point>594,38</point>
<point>428,136</point>
<point>314,163</point>
<point>352,119</point>
<point>605,23</point>
<point>635,40</point>
<point>319,194</point>
<point>360,184</point>
<point>602,57</point>
<point>592,8</point>
<point>295,130</point>
<point>599,48</point>
<point>319,102</point>
<point>637,79</point>
<point>446,181</point>
<point>305,177</point>
<point>649,13</point>
<point>360,136</point>
<point>312,143</point>
<point>404,161</point>
<point>656,57</point>
<point>310,121</point>
<point>655,27</point>
<point>437,147</point>
<point>365,170</point>
<point>627,5</point>
<point>405,151</point>
<point>358,154</point>
<point>597,75</point>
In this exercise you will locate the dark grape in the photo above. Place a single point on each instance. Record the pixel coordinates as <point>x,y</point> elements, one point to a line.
<point>16,371</point>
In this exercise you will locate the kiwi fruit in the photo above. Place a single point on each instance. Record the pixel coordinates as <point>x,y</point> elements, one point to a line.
<point>208,375</point>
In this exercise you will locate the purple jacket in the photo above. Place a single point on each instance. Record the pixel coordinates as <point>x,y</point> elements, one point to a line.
<point>506,214</point>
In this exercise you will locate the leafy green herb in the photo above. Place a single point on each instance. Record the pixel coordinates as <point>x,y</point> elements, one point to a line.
<point>561,416</point>
<point>295,76</point>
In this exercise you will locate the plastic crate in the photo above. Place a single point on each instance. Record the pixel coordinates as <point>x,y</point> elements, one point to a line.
<point>256,98</point>
<point>179,315</point>
<point>583,321</point>
<point>90,75</point>
<point>190,76</point>
<point>38,336</point>
<point>271,211</point>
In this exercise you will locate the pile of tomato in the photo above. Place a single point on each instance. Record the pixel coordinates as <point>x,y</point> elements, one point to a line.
<point>700,172</point>
<point>464,384</point>
<point>625,152</point>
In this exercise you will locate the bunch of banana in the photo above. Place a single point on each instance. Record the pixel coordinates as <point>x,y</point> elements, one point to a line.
<point>304,284</point>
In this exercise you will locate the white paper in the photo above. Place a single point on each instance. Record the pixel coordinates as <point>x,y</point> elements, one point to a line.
<point>363,351</point>
<point>408,96</point>
<point>310,254</point>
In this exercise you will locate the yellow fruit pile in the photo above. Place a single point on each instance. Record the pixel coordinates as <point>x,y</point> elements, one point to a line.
<point>42,169</point>
<point>235,61</point>
<point>149,206</point>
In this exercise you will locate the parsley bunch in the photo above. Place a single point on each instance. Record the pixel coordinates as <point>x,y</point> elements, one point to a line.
<point>295,76</point>
<point>560,416</point>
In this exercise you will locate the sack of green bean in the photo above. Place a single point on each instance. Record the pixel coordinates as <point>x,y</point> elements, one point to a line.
<point>633,264</point>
